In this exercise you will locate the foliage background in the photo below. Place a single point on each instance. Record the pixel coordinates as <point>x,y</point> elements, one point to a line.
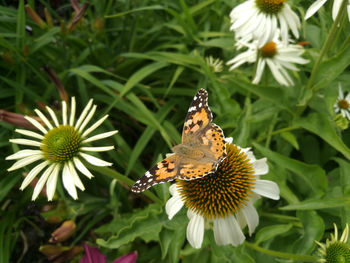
<point>142,61</point>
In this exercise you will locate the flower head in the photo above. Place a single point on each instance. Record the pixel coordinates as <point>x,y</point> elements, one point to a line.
<point>275,55</point>
<point>214,64</point>
<point>335,250</point>
<point>260,19</point>
<point>93,254</point>
<point>319,3</point>
<point>224,198</point>
<point>61,147</point>
<point>342,104</point>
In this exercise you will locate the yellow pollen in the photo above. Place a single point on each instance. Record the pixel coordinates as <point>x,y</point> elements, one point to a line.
<point>343,104</point>
<point>223,192</point>
<point>269,50</point>
<point>270,6</point>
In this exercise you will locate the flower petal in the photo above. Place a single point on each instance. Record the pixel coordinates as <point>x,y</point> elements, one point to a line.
<point>30,134</point>
<point>40,184</point>
<point>53,116</point>
<point>25,161</point>
<point>83,114</point>
<point>31,175</point>
<point>87,118</point>
<point>44,119</point>
<point>36,124</point>
<point>128,258</point>
<point>314,8</point>
<point>72,112</point>
<point>52,182</point>
<point>68,182</point>
<point>75,176</point>
<point>22,154</point>
<point>81,167</point>
<point>251,217</point>
<point>93,160</point>
<point>94,126</point>
<point>92,255</point>
<point>260,166</point>
<point>227,231</point>
<point>97,149</point>
<point>173,205</point>
<point>267,188</point>
<point>26,142</point>
<point>64,113</point>
<point>195,229</point>
<point>99,136</point>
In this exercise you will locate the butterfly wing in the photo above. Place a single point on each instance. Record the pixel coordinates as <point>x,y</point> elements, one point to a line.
<point>162,172</point>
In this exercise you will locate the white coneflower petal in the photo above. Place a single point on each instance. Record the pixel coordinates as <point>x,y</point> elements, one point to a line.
<point>72,112</point>
<point>33,173</point>
<point>44,119</point>
<point>224,197</point>
<point>22,154</point>
<point>64,113</point>
<point>314,8</point>
<point>81,167</point>
<point>68,182</point>
<point>195,229</point>
<point>75,176</point>
<point>40,184</point>
<point>52,182</point>
<point>267,189</point>
<point>53,116</point>
<point>83,114</point>
<point>342,105</point>
<point>87,118</point>
<point>30,134</point>
<point>93,160</point>
<point>36,124</point>
<point>251,217</point>
<point>97,149</point>
<point>99,136</point>
<point>94,126</point>
<point>25,161</point>
<point>227,231</point>
<point>59,150</point>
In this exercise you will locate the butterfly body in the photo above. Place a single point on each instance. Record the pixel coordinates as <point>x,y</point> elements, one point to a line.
<point>201,150</point>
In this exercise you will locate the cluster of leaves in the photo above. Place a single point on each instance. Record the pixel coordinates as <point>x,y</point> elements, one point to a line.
<point>142,61</point>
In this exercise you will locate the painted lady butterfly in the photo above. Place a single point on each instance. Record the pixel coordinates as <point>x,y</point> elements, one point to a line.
<point>202,148</point>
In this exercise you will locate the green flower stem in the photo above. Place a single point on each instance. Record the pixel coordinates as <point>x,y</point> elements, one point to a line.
<point>325,49</point>
<point>118,176</point>
<point>303,258</point>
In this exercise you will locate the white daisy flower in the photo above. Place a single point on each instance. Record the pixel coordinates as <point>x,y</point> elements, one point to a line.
<point>223,199</point>
<point>61,146</point>
<point>335,250</point>
<point>260,19</point>
<point>214,64</point>
<point>343,104</point>
<point>278,57</point>
<point>319,3</point>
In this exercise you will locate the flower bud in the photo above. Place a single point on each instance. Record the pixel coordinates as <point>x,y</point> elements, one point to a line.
<point>64,232</point>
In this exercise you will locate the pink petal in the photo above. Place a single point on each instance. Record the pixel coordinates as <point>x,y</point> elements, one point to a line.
<point>128,258</point>
<point>92,255</point>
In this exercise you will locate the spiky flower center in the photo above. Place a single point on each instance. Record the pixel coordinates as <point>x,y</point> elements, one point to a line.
<point>223,192</point>
<point>61,144</point>
<point>270,6</point>
<point>343,104</point>
<point>337,252</point>
<point>269,50</point>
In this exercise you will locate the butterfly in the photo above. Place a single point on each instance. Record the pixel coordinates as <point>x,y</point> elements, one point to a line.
<point>202,149</point>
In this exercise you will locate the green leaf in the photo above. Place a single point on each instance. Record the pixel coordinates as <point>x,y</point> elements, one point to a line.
<point>269,232</point>
<point>289,137</point>
<point>320,125</point>
<point>312,204</point>
<point>331,68</point>
<point>145,8</point>
<point>313,175</point>
<point>7,183</point>
<point>313,230</point>
<point>140,75</point>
